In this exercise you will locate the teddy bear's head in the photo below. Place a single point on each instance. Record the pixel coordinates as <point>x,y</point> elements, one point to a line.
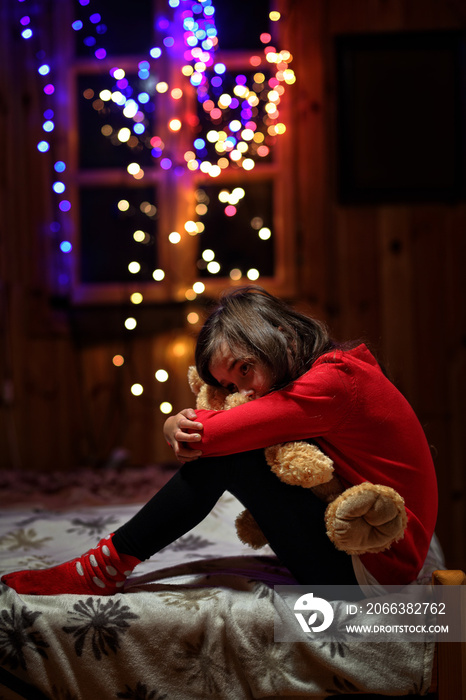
<point>215,398</point>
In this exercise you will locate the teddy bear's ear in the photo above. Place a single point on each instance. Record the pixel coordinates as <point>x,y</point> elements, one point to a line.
<point>195,382</point>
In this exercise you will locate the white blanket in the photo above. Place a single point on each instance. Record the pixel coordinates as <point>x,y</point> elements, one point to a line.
<point>195,622</point>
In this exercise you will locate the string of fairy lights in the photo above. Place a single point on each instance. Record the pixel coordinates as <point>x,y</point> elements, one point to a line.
<point>236,126</point>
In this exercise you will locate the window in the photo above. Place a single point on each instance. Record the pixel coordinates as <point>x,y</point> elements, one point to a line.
<point>177,149</point>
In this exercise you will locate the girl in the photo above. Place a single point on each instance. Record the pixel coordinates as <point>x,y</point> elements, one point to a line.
<point>304,386</point>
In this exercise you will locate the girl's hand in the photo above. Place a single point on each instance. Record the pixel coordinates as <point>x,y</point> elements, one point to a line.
<point>180,432</point>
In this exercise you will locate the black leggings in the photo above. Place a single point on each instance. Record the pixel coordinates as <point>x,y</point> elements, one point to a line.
<point>291,517</point>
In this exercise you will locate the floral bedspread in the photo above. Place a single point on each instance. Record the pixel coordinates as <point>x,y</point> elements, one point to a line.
<point>195,622</point>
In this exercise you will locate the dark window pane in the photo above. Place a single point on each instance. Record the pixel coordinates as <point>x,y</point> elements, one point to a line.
<point>101,120</point>
<point>240,24</point>
<point>107,241</point>
<point>127,28</point>
<point>124,27</point>
<point>239,241</point>
<point>400,117</point>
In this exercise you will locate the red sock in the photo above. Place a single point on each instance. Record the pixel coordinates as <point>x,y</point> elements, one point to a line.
<point>101,571</point>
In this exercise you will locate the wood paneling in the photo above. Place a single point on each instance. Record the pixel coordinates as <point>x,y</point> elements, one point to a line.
<point>393,275</point>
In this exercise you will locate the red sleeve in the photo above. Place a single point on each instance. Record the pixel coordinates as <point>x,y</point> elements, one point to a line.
<point>315,404</point>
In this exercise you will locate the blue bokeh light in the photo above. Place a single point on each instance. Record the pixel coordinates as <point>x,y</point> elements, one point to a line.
<point>196,78</point>
<point>163,23</point>
<point>64,205</point>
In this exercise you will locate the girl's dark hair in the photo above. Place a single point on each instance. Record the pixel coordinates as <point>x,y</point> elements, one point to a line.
<point>256,325</point>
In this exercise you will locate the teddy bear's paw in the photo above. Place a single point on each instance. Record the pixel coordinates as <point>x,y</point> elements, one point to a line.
<point>366,518</point>
<point>248,530</point>
<point>299,463</point>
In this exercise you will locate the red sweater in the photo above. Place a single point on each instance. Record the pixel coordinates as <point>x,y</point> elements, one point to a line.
<point>363,423</point>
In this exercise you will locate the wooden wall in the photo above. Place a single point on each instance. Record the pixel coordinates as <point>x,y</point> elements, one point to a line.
<point>392,275</point>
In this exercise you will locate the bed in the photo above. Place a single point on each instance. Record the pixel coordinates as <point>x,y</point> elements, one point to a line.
<point>196,621</point>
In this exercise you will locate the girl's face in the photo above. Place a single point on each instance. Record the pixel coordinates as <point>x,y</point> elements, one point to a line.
<point>250,377</point>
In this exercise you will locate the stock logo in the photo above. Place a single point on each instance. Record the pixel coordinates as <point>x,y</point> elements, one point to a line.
<point>308,604</point>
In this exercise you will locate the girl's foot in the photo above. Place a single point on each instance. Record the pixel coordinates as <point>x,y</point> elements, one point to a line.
<point>101,571</point>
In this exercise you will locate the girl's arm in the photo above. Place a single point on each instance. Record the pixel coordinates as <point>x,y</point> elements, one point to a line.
<point>314,405</point>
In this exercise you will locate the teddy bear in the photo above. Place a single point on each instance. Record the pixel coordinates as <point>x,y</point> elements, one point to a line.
<point>360,519</point>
